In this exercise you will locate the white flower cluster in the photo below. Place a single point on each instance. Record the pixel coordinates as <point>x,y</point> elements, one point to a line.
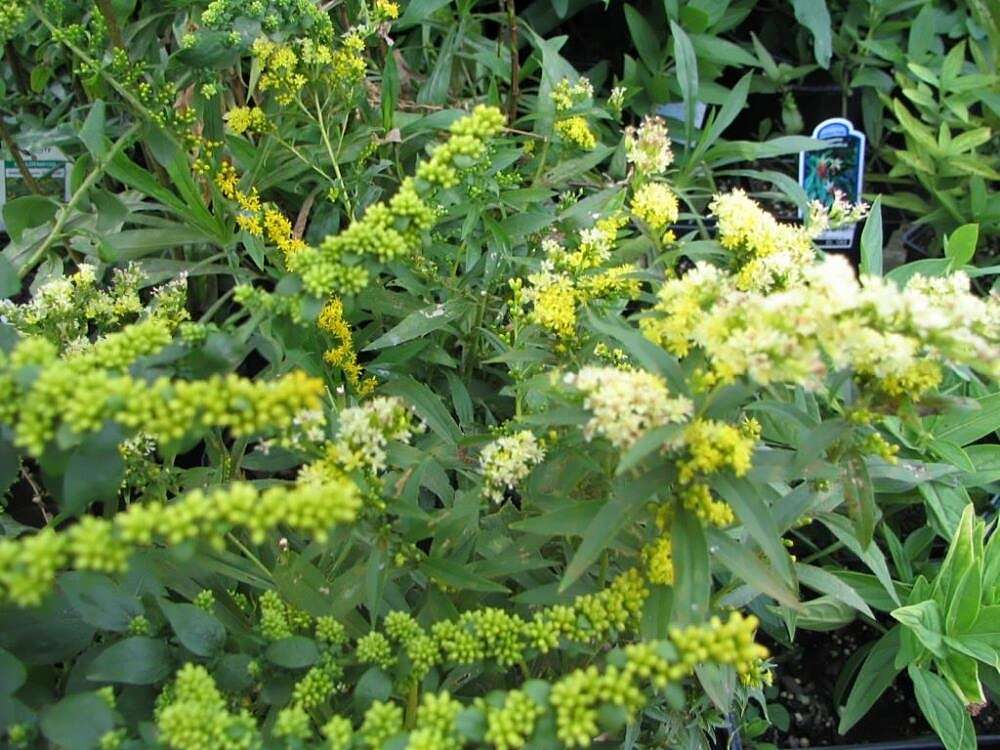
<point>366,430</point>
<point>506,461</point>
<point>626,403</point>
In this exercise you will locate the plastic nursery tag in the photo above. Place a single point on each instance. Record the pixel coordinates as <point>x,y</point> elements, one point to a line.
<point>839,168</point>
<point>678,111</point>
<point>49,167</point>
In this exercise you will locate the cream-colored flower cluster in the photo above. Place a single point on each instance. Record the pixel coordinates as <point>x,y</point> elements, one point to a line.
<point>648,147</point>
<point>822,317</point>
<point>626,403</point>
<point>365,432</point>
<point>506,461</point>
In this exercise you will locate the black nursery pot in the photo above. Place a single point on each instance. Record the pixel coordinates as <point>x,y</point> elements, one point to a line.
<point>917,241</point>
<point>729,739</point>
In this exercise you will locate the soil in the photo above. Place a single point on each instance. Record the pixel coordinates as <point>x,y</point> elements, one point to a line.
<point>804,684</point>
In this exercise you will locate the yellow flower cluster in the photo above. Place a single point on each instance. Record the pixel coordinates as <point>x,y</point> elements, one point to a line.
<point>247,120</point>
<point>386,10</point>
<point>279,70</point>
<point>553,298</point>
<point>577,131</point>
<point>594,246</point>
<point>256,218</point>
<point>767,253</point>
<point>287,67</point>
<point>566,95</point>
<point>29,564</point>
<point>571,278</point>
<point>343,355</point>
<point>713,446</point>
<point>659,559</point>
<point>656,205</point>
<point>626,403</point>
<point>573,129</point>
<point>697,498</point>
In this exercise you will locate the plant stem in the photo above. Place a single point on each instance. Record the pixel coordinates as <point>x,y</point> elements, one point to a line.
<point>412,701</point>
<point>250,555</point>
<point>515,63</point>
<point>541,163</point>
<point>334,157</point>
<point>65,211</point>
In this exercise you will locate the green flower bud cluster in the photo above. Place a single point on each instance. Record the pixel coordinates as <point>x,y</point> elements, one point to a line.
<point>318,684</point>
<point>338,732</point>
<point>375,648</point>
<point>578,697</point>
<point>293,723</point>
<point>192,715</point>
<point>466,146</point>
<point>395,229</point>
<point>435,727</point>
<point>273,623</point>
<point>113,739</point>
<point>221,15</point>
<point>29,564</point>
<point>139,625</point>
<point>382,721</point>
<point>509,726</point>
<point>330,632</point>
<point>205,600</point>
<point>84,388</point>
<point>11,16</point>
<point>387,231</point>
<point>492,634</point>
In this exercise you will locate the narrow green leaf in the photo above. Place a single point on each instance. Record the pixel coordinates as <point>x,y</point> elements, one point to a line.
<point>827,583</point>
<point>814,15</point>
<point>876,674</point>
<point>459,576</point>
<point>420,323</point>
<point>687,70</point>
<point>743,563</point>
<point>743,497</point>
<point>692,569</point>
<point>871,241</point>
<point>646,43</point>
<point>627,496</point>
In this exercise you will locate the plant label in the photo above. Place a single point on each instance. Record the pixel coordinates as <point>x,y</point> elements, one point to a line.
<point>49,167</point>
<point>837,169</point>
